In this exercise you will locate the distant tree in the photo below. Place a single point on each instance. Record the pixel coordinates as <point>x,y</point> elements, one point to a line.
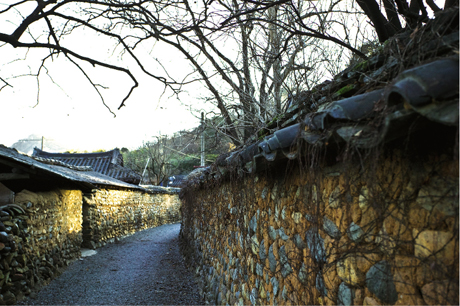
<point>153,157</point>
<point>177,154</point>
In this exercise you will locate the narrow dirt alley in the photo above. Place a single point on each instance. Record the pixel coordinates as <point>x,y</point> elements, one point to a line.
<point>143,269</point>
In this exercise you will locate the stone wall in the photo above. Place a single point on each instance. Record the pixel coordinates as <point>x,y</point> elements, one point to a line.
<point>112,214</point>
<point>44,231</point>
<point>381,230</point>
<point>38,235</point>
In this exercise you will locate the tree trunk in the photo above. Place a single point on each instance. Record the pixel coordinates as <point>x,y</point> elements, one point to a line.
<point>392,14</point>
<point>372,10</point>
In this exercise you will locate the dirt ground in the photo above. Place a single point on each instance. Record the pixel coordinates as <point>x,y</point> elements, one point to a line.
<point>143,269</point>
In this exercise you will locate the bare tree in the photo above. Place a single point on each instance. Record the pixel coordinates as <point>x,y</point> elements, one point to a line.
<point>386,16</point>
<point>246,64</point>
<point>178,154</point>
<point>248,54</point>
<point>49,23</point>
<point>152,160</point>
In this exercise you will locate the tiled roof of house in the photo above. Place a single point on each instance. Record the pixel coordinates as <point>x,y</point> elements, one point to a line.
<point>410,85</point>
<point>59,170</point>
<point>108,163</point>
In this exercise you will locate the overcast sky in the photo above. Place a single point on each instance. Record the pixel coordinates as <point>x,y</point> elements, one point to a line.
<point>70,111</point>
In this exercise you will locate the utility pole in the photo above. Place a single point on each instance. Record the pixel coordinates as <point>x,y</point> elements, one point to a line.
<point>202,140</point>
<point>143,173</point>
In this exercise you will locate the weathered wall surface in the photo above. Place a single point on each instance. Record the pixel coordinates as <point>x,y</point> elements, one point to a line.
<point>381,231</point>
<point>45,231</point>
<point>112,214</point>
<point>36,242</point>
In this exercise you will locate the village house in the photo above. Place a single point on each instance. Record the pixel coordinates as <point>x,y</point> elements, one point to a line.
<point>109,163</point>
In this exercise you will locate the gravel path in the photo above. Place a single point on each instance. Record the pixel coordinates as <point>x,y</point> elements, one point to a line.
<point>143,269</point>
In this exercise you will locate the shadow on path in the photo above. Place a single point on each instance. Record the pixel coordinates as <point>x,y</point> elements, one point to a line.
<point>143,269</point>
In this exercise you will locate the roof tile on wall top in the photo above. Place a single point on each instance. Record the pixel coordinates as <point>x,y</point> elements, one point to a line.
<point>431,90</point>
<point>108,163</point>
<point>347,120</point>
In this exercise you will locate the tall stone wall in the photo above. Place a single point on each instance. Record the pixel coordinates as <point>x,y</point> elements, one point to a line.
<point>37,237</point>
<point>378,231</point>
<point>112,214</point>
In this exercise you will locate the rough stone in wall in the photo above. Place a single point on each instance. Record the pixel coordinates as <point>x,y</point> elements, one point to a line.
<point>379,231</point>
<point>39,234</point>
<point>112,214</point>
<point>43,232</point>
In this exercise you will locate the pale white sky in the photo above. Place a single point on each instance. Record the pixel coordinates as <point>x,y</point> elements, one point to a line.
<point>71,112</point>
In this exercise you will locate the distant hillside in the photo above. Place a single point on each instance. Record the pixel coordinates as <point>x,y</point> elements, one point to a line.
<point>28,144</point>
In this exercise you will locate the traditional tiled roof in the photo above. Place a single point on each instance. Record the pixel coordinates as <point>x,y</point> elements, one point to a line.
<point>108,163</point>
<point>42,167</point>
<point>410,85</point>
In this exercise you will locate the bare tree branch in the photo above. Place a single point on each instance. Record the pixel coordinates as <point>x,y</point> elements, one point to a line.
<point>248,55</point>
<point>6,84</point>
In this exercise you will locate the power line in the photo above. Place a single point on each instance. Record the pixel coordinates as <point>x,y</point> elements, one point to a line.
<point>185,153</point>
